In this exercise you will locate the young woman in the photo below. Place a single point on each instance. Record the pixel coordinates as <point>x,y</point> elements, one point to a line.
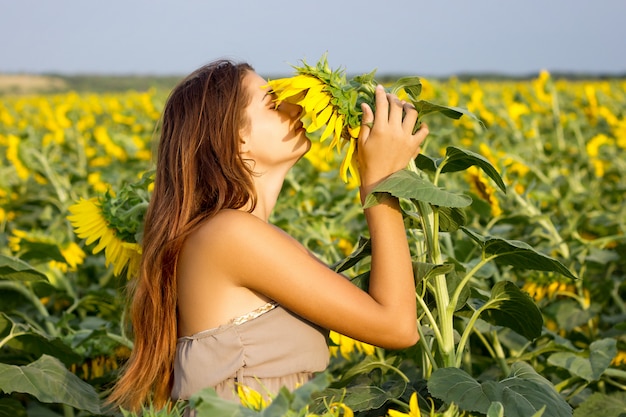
<point>226,298</point>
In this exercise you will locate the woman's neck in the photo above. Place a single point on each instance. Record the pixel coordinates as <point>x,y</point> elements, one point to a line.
<point>267,187</point>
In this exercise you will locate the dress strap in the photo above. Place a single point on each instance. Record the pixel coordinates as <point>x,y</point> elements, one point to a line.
<point>254,313</point>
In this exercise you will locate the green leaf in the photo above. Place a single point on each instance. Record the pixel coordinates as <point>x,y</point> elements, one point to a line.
<point>523,393</point>
<point>40,251</point>
<point>362,280</point>
<point>11,408</point>
<point>425,107</point>
<point>451,218</point>
<point>30,341</point>
<point>50,382</point>
<point>17,270</point>
<point>367,365</point>
<point>412,86</point>
<point>496,409</point>
<point>364,397</point>
<point>569,314</point>
<point>207,403</point>
<point>426,163</point>
<point>362,250</point>
<point>517,254</point>
<point>279,405</point>
<point>598,404</point>
<point>425,271</point>
<point>407,184</point>
<point>590,368</point>
<point>411,220</point>
<point>302,395</point>
<point>510,307</point>
<point>458,159</point>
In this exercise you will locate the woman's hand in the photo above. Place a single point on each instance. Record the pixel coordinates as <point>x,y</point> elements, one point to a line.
<point>386,142</point>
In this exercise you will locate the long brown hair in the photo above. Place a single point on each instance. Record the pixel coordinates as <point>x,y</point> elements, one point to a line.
<point>199,172</point>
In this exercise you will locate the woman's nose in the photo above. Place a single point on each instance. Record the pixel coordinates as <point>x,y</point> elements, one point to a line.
<point>290,109</point>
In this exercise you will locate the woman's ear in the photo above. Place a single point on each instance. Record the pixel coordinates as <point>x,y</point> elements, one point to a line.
<point>244,142</point>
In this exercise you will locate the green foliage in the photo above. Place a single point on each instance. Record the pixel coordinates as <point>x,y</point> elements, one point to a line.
<point>559,238</point>
<point>49,381</point>
<point>407,184</point>
<point>613,405</point>
<point>522,393</point>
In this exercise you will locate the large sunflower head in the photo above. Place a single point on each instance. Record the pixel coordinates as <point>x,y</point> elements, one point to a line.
<point>331,104</point>
<point>115,223</point>
<point>330,107</point>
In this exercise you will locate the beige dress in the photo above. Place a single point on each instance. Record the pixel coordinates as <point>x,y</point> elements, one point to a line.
<point>266,349</point>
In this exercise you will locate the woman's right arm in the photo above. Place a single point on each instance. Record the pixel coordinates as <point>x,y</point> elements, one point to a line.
<point>262,258</point>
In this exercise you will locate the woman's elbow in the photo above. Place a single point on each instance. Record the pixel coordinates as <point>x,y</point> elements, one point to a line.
<point>403,338</point>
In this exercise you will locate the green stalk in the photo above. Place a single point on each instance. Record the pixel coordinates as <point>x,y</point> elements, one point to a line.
<point>500,356</point>
<point>486,343</point>
<point>68,411</point>
<point>122,340</point>
<point>455,299</point>
<point>431,320</point>
<point>546,223</point>
<point>468,276</point>
<point>52,177</point>
<point>428,351</point>
<point>429,217</point>
<point>556,117</point>
<point>566,382</point>
<point>466,333</point>
<point>617,373</point>
<point>10,336</point>
<point>30,296</point>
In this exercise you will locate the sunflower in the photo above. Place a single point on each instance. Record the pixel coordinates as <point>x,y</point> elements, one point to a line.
<point>329,108</point>
<point>89,222</point>
<point>483,188</point>
<point>331,105</point>
<point>346,346</point>
<point>251,398</point>
<point>116,222</point>
<point>414,410</point>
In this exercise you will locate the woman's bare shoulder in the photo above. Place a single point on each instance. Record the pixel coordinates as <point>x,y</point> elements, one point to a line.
<point>230,227</point>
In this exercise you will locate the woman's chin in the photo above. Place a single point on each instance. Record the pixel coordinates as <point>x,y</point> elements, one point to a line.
<point>306,147</point>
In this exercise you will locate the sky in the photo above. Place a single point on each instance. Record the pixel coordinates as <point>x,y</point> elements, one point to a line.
<point>410,37</point>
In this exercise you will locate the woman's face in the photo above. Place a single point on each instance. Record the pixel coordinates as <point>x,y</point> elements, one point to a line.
<point>273,137</point>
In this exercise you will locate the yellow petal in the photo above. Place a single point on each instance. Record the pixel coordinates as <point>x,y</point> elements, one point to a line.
<point>321,119</point>
<point>414,406</point>
<point>347,161</point>
<point>354,131</point>
<point>329,127</point>
<point>311,100</point>
<point>338,128</point>
<point>396,413</point>
<point>322,103</point>
<point>305,81</point>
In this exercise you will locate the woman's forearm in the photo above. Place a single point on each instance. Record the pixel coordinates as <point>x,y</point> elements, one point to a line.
<point>392,283</point>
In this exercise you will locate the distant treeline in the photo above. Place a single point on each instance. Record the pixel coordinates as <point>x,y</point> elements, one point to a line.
<point>103,83</point>
<point>116,83</point>
<point>100,83</point>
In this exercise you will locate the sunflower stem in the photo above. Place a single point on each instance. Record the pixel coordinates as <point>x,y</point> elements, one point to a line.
<point>30,296</point>
<point>429,216</point>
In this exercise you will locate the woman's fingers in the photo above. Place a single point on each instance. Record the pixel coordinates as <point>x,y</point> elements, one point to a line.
<point>395,109</point>
<point>410,117</point>
<point>382,104</point>
<point>367,121</point>
<point>420,135</point>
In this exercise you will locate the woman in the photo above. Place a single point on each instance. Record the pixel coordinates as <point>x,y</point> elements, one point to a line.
<point>225,298</point>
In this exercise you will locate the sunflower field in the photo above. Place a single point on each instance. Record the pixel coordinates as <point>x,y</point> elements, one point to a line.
<point>516,218</point>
